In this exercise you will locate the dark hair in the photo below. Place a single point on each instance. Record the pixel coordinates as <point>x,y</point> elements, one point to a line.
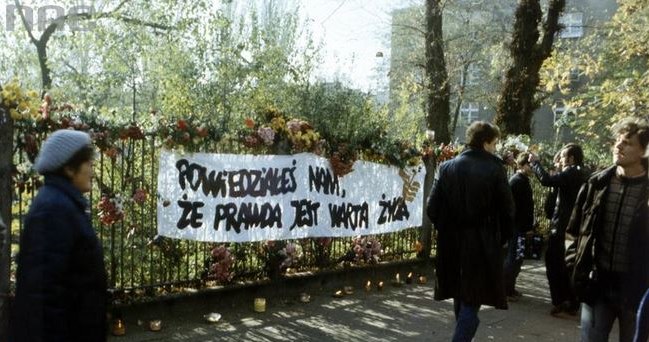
<point>85,154</point>
<point>480,132</point>
<point>633,126</point>
<point>522,159</point>
<point>573,150</point>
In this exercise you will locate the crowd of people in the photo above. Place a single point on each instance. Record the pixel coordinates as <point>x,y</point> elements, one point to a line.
<point>482,219</point>
<point>480,216</point>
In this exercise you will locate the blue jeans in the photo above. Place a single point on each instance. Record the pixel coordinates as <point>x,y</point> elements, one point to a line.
<point>466,317</point>
<point>597,320</point>
<point>642,320</point>
<point>513,263</point>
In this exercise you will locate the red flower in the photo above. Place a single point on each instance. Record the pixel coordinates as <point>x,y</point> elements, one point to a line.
<point>249,123</point>
<point>182,125</point>
<point>140,196</point>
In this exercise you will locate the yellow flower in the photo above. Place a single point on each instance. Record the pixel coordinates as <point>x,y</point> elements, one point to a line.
<point>278,124</point>
<point>14,114</point>
<point>8,96</point>
<point>22,107</point>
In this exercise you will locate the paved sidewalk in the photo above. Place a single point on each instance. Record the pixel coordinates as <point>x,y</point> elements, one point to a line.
<point>406,313</point>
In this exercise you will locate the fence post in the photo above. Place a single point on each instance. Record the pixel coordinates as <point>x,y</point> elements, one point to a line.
<point>6,153</point>
<point>427,226</point>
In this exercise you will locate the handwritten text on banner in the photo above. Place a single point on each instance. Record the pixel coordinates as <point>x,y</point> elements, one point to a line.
<point>228,197</point>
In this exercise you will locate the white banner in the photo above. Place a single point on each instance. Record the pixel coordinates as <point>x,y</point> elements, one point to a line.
<point>228,197</point>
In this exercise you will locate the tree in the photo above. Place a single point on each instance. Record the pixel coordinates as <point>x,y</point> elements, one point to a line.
<point>474,35</point>
<point>613,61</point>
<point>41,42</point>
<point>518,99</point>
<point>437,104</point>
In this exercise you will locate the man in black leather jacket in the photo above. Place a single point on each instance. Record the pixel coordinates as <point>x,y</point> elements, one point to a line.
<point>568,181</point>
<point>471,208</point>
<point>611,226</point>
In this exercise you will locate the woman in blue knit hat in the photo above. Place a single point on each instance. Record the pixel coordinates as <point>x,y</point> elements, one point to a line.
<point>61,279</point>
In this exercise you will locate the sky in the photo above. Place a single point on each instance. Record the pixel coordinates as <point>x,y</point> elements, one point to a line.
<point>353,31</point>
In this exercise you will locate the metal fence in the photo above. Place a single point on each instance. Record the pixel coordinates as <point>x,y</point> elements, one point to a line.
<point>137,259</point>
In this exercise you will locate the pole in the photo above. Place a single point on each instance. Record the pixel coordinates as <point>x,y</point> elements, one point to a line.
<point>6,155</point>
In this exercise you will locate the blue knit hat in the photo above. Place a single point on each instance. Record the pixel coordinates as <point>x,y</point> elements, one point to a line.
<point>58,148</point>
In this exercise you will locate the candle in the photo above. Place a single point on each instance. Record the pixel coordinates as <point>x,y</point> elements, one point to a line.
<point>119,328</point>
<point>422,279</point>
<point>338,294</point>
<point>379,286</point>
<point>260,304</point>
<point>305,297</point>
<point>155,325</point>
<point>368,285</point>
<point>397,277</point>
<point>409,278</point>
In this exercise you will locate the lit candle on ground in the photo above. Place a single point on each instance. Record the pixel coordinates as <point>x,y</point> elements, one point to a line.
<point>379,285</point>
<point>155,325</point>
<point>397,278</point>
<point>260,304</point>
<point>368,285</point>
<point>119,328</point>
<point>422,279</point>
<point>409,278</point>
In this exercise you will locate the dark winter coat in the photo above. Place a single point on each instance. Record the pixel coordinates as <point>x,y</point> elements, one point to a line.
<point>471,208</point>
<point>523,203</point>
<point>61,280</point>
<point>586,221</point>
<point>568,182</point>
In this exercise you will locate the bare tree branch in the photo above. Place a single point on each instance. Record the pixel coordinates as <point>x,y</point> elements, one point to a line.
<point>24,20</point>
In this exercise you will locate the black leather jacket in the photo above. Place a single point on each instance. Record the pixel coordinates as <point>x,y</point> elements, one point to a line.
<point>584,225</point>
<point>568,182</point>
<point>471,208</point>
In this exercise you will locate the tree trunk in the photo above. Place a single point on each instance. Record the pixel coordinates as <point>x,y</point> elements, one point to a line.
<point>46,72</point>
<point>437,103</point>
<point>460,97</point>
<point>6,141</point>
<point>518,100</point>
<point>437,111</point>
<point>427,226</point>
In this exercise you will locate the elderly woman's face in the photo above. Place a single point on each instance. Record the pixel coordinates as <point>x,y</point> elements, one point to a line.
<point>82,177</point>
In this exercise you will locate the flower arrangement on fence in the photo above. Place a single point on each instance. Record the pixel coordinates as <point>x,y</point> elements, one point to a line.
<point>277,256</point>
<point>187,133</point>
<point>367,249</point>
<point>221,263</point>
<point>111,209</point>
<point>510,147</point>
<point>140,196</point>
<point>22,104</point>
<point>342,160</point>
<point>440,152</point>
<point>273,131</point>
<point>25,178</point>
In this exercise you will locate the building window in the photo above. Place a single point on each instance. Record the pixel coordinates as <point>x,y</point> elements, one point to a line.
<point>469,112</point>
<point>574,75</point>
<point>472,75</point>
<point>562,114</point>
<point>573,25</point>
<point>559,110</point>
